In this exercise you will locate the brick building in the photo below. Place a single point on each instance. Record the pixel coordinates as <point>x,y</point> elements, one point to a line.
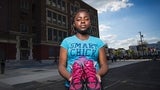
<point>34,29</point>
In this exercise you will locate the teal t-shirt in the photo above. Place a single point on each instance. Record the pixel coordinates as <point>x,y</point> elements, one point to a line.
<point>77,48</point>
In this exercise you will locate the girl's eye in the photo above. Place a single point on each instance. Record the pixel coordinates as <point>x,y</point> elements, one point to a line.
<point>78,19</point>
<point>86,18</point>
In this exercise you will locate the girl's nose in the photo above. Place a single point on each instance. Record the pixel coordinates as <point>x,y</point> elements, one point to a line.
<point>82,21</point>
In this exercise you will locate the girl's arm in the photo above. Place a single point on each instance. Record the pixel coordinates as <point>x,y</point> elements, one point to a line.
<point>102,62</point>
<point>62,64</point>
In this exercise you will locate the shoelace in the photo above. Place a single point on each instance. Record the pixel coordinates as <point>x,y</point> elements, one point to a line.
<point>77,72</point>
<point>90,71</point>
<point>92,81</point>
<point>90,74</point>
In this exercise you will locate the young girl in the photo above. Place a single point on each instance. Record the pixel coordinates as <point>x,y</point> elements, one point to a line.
<point>82,60</point>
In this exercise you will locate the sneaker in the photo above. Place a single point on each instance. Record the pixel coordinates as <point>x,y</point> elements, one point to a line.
<point>92,83</point>
<point>76,83</point>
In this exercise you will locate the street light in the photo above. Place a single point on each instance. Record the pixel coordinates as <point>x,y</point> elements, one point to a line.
<point>141,43</point>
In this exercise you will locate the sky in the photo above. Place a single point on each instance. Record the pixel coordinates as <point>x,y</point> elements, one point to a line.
<point>121,21</point>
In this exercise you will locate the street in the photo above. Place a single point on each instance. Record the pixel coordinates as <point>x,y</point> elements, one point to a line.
<point>138,76</point>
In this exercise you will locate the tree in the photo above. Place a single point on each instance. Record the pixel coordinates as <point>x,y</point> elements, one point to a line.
<point>158,42</point>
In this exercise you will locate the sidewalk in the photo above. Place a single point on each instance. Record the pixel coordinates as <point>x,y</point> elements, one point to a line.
<point>40,72</point>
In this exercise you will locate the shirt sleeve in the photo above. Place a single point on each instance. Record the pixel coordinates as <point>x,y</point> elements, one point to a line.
<point>64,44</point>
<point>101,43</point>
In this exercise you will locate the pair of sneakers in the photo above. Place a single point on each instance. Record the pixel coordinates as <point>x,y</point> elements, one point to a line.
<point>84,75</point>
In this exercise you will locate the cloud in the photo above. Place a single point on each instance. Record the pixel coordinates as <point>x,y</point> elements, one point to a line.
<point>123,43</point>
<point>114,43</point>
<point>109,5</point>
<point>103,27</point>
<point>108,38</point>
<point>147,39</point>
<point>104,31</point>
<point>152,40</point>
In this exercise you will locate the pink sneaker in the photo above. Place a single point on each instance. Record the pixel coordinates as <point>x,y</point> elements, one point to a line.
<point>76,82</point>
<point>92,82</point>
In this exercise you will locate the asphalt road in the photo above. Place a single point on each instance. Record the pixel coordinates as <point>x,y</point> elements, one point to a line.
<point>139,76</point>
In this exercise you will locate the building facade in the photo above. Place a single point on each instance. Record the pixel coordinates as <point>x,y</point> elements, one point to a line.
<point>34,29</point>
<point>148,50</point>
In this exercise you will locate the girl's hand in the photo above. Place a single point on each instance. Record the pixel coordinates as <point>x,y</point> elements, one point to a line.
<point>98,77</point>
<point>70,79</point>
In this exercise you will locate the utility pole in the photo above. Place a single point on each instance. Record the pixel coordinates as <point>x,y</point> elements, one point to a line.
<point>141,43</point>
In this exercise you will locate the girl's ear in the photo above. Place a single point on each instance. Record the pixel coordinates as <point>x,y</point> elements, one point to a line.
<point>74,24</point>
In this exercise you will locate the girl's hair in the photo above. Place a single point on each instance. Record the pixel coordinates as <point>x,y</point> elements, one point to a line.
<point>74,15</point>
<point>80,10</point>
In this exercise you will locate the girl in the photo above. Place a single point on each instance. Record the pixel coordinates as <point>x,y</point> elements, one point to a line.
<point>82,60</point>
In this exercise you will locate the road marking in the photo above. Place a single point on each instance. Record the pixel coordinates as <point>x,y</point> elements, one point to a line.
<point>112,84</point>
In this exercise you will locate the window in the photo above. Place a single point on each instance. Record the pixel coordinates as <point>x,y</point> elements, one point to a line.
<point>54,17</point>
<point>55,35</point>
<point>64,34</point>
<point>24,28</point>
<point>64,21</point>
<point>72,9</point>
<point>60,36</point>
<point>63,6</point>
<point>59,19</point>
<point>76,9</point>
<point>49,2</point>
<point>49,33</point>
<point>59,4</point>
<point>54,2</point>
<point>49,15</point>
<point>76,6</point>
<point>52,35</point>
<point>24,4</point>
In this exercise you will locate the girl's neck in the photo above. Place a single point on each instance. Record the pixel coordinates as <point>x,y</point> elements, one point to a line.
<point>82,37</point>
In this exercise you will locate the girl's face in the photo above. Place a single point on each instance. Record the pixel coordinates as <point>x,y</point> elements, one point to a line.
<point>82,21</point>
